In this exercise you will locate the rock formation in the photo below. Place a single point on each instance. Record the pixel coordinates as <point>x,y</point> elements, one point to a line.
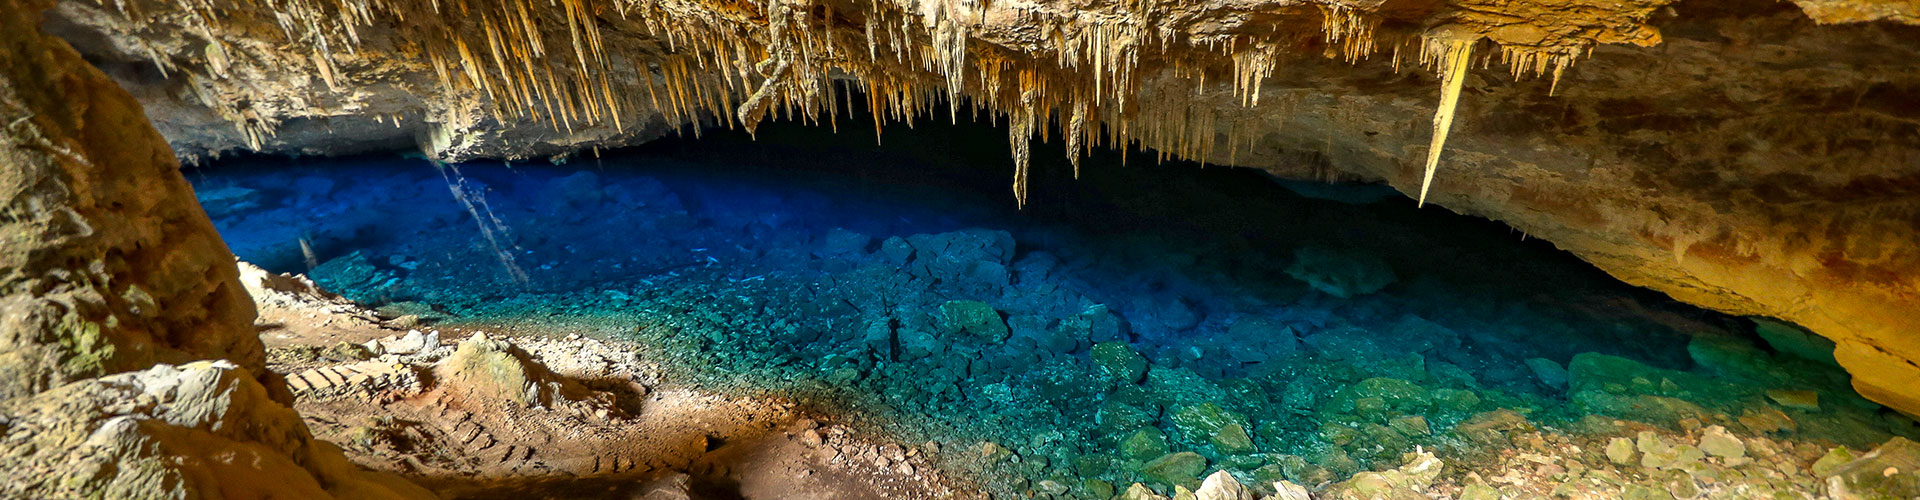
<point>1751,157</point>
<point>114,284</point>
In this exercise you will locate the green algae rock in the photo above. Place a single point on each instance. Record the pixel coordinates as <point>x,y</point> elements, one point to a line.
<point>1717,442</point>
<point>1620,451</point>
<point>1889,471</point>
<point>1232,439</point>
<point>1834,458</point>
<point>1145,444</point>
<point>1118,419</point>
<point>1456,399</point>
<point>973,317</point>
<point>1180,386</point>
<point>1119,362</point>
<point>1400,394</point>
<point>1097,464</point>
<point>1176,468</point>
<point>1097,488</point>
<point>1338,434</point>
<point>1479,491</point>
<point>1410,425</point>
<point>1198,423</point>
<point>1658,453</point>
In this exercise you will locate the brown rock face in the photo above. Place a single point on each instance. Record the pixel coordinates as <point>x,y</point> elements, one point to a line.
<point>111,274</point>
<point>1742,156</point>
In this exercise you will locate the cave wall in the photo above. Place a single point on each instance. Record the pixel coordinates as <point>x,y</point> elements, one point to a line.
<point>1750,157</point>
<point>129,365</point>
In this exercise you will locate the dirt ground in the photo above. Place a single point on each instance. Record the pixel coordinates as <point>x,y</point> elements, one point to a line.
<point>474,414</point>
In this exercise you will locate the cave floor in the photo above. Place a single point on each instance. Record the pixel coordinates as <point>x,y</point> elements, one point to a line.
<point>1144,323</point>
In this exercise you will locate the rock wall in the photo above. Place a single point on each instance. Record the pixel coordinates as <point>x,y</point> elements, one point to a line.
<point>111,276</point>
<point>1740,155</point>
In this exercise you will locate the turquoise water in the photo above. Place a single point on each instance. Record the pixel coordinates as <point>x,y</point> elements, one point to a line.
<point>1119,319</point>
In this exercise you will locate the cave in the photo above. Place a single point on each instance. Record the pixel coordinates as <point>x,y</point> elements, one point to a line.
<point>960,249</point>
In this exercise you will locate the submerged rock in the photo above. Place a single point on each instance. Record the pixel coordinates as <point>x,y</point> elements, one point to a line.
<point>1888,472</point>
<point>973,318</point>
<point>1340,273</point>
<point>1175,468</point>
<point>1120,362</point>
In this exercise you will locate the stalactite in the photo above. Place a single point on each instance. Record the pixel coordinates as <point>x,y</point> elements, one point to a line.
<point>1451,57</point>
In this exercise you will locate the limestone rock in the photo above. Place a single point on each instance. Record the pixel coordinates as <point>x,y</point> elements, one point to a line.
<point>1138,491</point>
<point>170,432</point>
<point>1222,486</point>
<point>1715,441</point>
<point>1409,481</point>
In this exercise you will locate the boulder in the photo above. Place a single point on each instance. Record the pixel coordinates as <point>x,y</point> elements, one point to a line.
<point>1888,472</point>
<point>975,319</point>
<point>1342,273</point>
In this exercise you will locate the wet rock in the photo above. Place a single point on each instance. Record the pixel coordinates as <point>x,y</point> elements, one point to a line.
<point>1341,273</point>
<point>1832,460</point>
<point>1222,486</point>
<point>1798,400</point>
<point>1199,423</point>
<point>1620,451</point>
<point>1144,444</point>
<point>1409,481</point>
<point>1549,373</point>
<point>1175,468</point>
<point>973,318</point>
<point>1656,452</point>
<point>1717,442</point>
<point>1889,471</point>
<point>1491,429</point>
<point>1120,362</point>
<point>1138,491</point>
<point>1410,425</point>
<point>1232,439</point>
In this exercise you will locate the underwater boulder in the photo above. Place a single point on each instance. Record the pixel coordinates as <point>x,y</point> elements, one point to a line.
<point>1889,471</point>
<point>1342,273</point>
<point>1144,444</point>
<point>1549,373</point>
<point>1119,362</point>
<point>1201,422</point>
<point>1180,469</point>
<point>973,318</point>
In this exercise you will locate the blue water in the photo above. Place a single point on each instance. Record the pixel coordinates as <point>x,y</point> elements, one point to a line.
<point>824,265</point>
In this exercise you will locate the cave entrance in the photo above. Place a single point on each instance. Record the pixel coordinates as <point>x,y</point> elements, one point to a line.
<point>1142,310</point>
